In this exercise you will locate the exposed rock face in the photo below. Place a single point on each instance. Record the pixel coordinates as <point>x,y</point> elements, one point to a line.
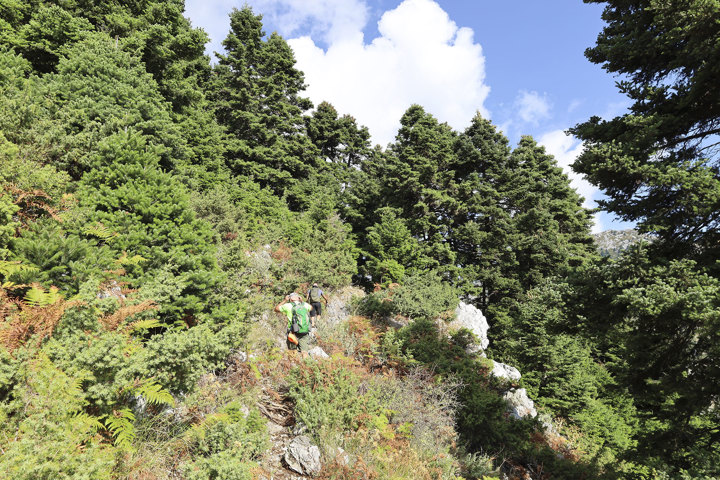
<point>611,243</point>
<point>317,352</point>
<point>507,372</point>
<point>519,404</point>
<point>339,306</point>
<point>470,317</point>
<point>303,457</point>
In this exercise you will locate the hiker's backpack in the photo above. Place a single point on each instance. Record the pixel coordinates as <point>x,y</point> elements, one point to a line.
<point>315,295</point>
<point>299,322</point>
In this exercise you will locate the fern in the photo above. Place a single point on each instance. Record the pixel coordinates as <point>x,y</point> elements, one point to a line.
<point>134,260</point>
<point>121,427</point>
<point>142,325</point>
<point>100,231</point>
<point>38,297</point>
<point>8,269</point>
<point>154,393</point>
<point>88,421</point>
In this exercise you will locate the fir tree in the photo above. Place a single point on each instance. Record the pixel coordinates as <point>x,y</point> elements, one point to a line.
<point>658,164</point>
<point>257,99</point>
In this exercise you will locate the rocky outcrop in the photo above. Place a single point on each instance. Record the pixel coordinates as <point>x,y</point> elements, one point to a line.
<point>317,352</point>
<point>303,457</point>
<point>508,372</point>
<point>339,307</point>
<point>519,404</point>
<point>611,243</point>
<point>470,317</point>
<point>111,290</point>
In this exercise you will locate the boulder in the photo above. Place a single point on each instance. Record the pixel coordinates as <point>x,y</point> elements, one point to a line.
<point>303,457</point>
<point>507,372</point>
<point>470,317</point>
<point>340,305</point>
<point>519,404</point>
<point>317,352</point>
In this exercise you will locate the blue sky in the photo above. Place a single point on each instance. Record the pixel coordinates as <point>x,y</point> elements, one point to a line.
<point>518,62</point>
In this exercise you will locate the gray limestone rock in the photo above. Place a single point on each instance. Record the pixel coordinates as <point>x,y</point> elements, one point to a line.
<point>317,352</point>
<point>507,372</point>
<point>519,404</point>
<point>470,317</point>
<point>303,457</point>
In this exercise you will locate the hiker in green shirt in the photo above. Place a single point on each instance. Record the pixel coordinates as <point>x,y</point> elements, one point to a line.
<point>299,321</point>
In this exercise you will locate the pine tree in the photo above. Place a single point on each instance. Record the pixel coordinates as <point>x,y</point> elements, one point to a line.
<point>130,194</point>
<point>340,140</point>
<point>414,177</point>
<point>154,32</point>
<point>98,90</point>
<point>552,226</point>
<point>482,224</point>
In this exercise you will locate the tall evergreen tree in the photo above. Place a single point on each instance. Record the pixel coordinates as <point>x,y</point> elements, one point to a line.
<point>654,324</point>
<point>483,224</point>
<point>552,226</point>
<point>340,140</point>
<point>415,178</point>
<point>156,33</point>
<point>97,91</point>
<point>127,192</point>
<point>659,163</point>
<point>257,99</point>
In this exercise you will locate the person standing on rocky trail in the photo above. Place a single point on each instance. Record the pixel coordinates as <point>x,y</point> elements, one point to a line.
<point>314,297</point>
<point>299,322</point>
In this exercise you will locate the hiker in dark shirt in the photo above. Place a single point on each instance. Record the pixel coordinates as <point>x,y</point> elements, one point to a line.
<point>314,296</point>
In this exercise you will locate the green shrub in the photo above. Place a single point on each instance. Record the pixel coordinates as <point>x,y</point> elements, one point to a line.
<point>224,465</point>
<point>421,296</point>
<point>230,429</point>
<point>224,446</point>
<point>54,439</point>
<point>329,395</point>
<point>477,465</point>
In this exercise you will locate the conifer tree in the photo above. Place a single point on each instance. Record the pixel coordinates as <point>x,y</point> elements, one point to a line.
<point>257,99</point>
<point>154,32</point>
<point>340,140</point>
<point>130,194</point>
<point>98,90</point>
<point>552,226</point>
<point>482,224</point>
<point>414,177</point>
<point>658,164</point>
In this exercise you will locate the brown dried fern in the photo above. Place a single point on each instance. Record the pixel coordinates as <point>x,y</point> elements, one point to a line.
<point>32,203</point>
<point>26,321</point>
<point>115,319</point>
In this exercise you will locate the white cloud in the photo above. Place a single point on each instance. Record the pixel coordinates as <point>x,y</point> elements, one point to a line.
<point>330,20</point>
<point>566,148</point>
<point>574,105</point>
<point>532,107</point>
<point>421,56</point>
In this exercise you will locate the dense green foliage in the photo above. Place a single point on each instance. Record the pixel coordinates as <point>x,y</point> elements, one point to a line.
<point>659,163</point>
<point>153,207</point>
